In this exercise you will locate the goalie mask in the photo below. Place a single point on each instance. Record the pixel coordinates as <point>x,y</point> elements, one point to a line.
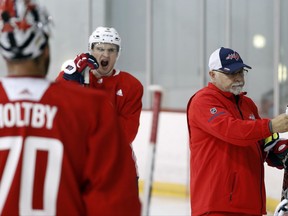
<point>25,29</point>
<point>104,35</point>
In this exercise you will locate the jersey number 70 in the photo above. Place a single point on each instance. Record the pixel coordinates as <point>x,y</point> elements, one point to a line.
<point>31,145</point>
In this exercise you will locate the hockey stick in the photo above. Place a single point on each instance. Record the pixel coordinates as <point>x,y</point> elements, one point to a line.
<point>285,177</point>
<point>285,185</point>
<point>157,95</point>
<point>86,76</point>
<point>282,208</point>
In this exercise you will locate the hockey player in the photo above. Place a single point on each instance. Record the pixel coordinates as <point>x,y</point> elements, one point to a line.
<point>58,156</point>
<point>229,143</point>
<point>124,90</point>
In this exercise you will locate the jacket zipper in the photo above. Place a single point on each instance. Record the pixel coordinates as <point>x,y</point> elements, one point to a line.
<point>261,176</point>
<point>237,104</point>
<point>233,186</point>
<point>260,154</point>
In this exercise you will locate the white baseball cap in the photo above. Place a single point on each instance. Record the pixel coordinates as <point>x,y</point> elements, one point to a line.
<point>226,60</point>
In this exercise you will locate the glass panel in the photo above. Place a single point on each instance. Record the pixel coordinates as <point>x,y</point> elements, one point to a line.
<point>176,50</point>
<point>128,17</point>
<point>252,36</point>
<point>283,65</point>
<point>176,31</point>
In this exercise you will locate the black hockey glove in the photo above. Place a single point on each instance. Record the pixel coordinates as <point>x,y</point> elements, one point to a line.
<point>277,157</point>
<point>75,69</point>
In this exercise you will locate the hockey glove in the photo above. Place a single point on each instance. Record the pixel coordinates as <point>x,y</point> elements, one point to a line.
<point>278,156</point>
<point>84,60</point>
<point>270,142</point>
<point>75,69</point>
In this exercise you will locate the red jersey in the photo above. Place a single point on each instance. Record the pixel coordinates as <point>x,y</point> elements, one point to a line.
<point>226,160</point>
<point>61,152</point>
<point>126,92</point>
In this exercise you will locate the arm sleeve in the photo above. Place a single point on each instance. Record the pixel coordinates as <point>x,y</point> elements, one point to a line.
<point>60,77</point>
<point>129,115</point>
<point>216,119</point>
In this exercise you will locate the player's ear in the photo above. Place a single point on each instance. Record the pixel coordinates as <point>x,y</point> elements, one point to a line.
<point>212,74</point>
<point>43,60</point>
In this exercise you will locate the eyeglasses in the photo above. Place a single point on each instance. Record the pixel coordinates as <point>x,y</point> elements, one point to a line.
<point>242,72</point>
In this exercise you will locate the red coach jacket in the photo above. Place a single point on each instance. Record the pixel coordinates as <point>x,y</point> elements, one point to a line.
<point>227,163</point>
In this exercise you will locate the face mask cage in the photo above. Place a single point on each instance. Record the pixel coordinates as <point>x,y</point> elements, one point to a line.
<point>25,29</point>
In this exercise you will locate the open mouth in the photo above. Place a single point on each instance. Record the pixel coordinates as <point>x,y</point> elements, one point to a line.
<point>104,63</point>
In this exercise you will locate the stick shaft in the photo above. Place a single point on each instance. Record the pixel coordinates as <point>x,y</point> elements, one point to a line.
<point>285,177</point>
<point>151,153</point>
<point>285,185</point>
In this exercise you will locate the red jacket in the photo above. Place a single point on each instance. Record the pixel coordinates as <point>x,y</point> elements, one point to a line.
<point>227,171</point>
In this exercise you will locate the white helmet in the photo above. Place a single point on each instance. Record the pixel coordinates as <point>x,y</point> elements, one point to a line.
<point>104,35</point>
<point>24,29</point>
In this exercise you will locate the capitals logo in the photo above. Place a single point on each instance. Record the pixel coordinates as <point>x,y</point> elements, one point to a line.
<point>234,55</point>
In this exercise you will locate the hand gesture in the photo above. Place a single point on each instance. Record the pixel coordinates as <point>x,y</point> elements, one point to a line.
<point>74,69</point>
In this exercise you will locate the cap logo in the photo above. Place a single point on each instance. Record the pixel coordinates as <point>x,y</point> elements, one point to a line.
<point>233,56</point>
